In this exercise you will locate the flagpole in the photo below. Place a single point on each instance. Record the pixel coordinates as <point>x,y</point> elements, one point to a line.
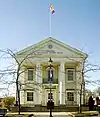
<point>51,12</point>
<point>49,23</point>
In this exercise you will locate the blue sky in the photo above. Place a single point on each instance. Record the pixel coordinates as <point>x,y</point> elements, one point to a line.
<point>75,22</point>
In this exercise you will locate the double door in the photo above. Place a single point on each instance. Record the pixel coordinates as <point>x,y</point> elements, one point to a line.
<point>52,96</point>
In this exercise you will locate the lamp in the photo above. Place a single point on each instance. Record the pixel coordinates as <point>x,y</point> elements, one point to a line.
<point>50,78</point>
<point>50,62</point>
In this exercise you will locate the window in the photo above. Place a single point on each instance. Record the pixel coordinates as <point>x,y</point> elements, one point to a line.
<point>29,96</point>
<point>50,95</point>
<point>70,74</point>
<point>70,96</point>
<point>50,74</point>
<point>30,74</point>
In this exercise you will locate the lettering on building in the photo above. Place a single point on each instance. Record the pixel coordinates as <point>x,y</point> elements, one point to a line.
<point>48,52</point>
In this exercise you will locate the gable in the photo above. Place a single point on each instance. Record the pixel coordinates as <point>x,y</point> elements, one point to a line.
<point>52,47</point>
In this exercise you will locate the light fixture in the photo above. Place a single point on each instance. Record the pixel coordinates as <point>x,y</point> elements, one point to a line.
<point>50,60</point>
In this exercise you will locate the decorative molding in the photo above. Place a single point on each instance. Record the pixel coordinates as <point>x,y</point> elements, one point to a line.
<point>50,46</point>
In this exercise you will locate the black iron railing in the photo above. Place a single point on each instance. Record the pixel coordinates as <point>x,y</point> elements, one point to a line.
<point>45,81</point>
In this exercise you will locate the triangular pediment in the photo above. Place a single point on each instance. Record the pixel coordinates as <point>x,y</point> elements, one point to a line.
<point>52,47</point>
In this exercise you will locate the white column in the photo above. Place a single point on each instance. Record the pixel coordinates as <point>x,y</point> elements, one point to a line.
<point>22,96</point>
<point>39,84</point>
<point>60,92</point>
<point>62,83</point>
<point>22,87</point>
<point>37,72</point>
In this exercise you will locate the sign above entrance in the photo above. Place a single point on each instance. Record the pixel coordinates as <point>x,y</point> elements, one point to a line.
<point>45,52</point>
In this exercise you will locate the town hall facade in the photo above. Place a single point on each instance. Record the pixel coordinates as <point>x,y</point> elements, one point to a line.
<point>68,65</point>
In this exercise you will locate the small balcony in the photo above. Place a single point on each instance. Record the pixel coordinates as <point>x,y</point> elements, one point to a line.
<point>45,81</point>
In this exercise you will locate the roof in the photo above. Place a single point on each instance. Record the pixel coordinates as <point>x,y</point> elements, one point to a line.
<point>50,39</point>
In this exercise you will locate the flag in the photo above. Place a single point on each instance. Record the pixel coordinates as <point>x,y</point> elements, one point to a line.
<point>52,9</point>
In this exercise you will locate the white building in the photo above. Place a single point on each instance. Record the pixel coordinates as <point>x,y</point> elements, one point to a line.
<point>67,64</point>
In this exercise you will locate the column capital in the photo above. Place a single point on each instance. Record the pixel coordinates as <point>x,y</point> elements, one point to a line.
<point>62,66</point>
<point>37,64</point>
<point>62,62</point>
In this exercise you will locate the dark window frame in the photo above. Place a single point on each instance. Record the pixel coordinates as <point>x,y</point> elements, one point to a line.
<point>29,76</point>
<point>30,96</point>
<point>70,75</point>
<point>70,96</point>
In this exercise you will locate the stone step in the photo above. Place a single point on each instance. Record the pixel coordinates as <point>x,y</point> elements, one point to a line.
<point>44,109</point>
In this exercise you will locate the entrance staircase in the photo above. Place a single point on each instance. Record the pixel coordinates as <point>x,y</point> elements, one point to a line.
<point>39,108</point>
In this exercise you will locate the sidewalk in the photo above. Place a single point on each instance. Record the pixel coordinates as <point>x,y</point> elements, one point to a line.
<point>71,114</point>
<point>44,113</point>
<point>41,114</point>
<point>85,113</point>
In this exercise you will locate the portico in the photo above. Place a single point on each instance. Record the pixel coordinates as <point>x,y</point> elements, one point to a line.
<point>66,62</point>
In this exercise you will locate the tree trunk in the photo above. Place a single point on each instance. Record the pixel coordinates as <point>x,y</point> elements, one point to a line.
<point>80,109</point>
<point>18,96</point>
